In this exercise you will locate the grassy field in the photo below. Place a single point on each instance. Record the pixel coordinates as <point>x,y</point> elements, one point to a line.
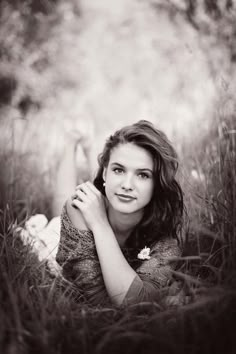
<point>40,316</point>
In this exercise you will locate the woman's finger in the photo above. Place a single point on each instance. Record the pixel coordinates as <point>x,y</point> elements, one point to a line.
<point>74,196</point>
<point>86,189</point>
<point>80,195</point>
<point>92,187</point>
<point>76,203</point>
<point>79,187</point>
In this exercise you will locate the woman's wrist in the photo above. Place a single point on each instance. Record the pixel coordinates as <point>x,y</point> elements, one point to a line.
<point>101,228</point>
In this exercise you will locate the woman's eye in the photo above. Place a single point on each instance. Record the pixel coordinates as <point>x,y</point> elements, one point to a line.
<point>144,175</point>
<point>118,170</point>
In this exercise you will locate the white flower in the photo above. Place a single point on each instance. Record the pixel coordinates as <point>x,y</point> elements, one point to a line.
<point>144,253</point>
<point>36,224</point>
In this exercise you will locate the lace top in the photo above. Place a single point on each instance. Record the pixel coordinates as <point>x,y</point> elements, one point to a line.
<point>80,265</point>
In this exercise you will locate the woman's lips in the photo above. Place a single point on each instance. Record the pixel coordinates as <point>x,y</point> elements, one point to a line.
<point>124,197</point>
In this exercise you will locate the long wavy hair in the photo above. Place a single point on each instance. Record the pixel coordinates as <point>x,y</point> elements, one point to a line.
<point>163,216</point>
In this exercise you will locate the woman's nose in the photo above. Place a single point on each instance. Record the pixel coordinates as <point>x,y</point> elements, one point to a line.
<point>127,183</point>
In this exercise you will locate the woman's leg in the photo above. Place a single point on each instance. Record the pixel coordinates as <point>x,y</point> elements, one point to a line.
<point>65,178</point>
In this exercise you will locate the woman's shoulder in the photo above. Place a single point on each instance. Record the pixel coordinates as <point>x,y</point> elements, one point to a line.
<point>74,216</point>
<point>76,239</point>
<point>73,226</point>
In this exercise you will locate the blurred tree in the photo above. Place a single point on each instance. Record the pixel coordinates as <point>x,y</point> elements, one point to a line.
<point>30,37</point>
<point>215,21</point>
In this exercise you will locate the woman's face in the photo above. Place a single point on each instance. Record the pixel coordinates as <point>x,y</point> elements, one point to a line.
<point>129,178</point>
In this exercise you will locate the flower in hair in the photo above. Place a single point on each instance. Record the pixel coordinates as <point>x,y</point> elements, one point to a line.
<point>144,253</point>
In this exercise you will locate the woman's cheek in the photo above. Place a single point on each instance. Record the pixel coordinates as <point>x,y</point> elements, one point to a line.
<point>149,189</point>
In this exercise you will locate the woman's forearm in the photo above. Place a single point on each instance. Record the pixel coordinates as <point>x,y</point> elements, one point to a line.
<point>118,275</point>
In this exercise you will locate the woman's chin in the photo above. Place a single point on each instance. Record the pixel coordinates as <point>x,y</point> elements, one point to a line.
<point>124,208</point>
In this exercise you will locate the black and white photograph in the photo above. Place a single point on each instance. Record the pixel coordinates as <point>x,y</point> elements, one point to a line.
<point>117,176</point>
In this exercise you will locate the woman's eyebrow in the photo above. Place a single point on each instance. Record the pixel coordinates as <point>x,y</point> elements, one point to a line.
<point>117,163</point>
<point>145,169</point>
<point>138,169</point>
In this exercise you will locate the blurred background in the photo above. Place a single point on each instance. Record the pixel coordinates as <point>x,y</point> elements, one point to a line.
<point>87,67</point>
<point>92,66</point>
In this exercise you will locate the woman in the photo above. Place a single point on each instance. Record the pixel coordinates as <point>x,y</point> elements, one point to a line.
<point>119,233</point>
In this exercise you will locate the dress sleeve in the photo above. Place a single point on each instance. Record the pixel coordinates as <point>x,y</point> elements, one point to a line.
<point>79,260</point>
<point>154,273</point>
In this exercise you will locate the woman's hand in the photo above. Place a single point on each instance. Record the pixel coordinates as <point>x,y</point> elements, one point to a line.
<point>89,200</point>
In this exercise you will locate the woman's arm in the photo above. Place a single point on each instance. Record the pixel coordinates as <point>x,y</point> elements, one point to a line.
<point>78,258</point>
<point>117,273</point>
<point>126,286</point>
<point>156,274</point>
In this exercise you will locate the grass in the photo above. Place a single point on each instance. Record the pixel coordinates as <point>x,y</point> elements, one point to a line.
<point>212,205</point>
<point>38,315</point>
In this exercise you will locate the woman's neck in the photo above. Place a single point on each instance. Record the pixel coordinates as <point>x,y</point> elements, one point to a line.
<point>122,224</point>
